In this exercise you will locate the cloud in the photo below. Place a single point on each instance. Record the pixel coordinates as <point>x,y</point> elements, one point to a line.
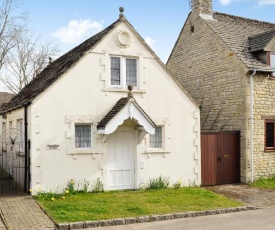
<point>258,2</point>
<point>151,42</point>
<point>266,2</point>
<point>77,30</point>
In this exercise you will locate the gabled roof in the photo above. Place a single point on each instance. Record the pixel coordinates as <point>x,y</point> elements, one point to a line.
<point>54,70</point>
<point>234,32</point>
<point>57,68</point>
<point>259,41</point>
<point>137,113</point>
<point>5,97</point>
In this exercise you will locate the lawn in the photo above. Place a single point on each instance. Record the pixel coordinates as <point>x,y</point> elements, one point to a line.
<point>122,204</point>
<point>264,183</point>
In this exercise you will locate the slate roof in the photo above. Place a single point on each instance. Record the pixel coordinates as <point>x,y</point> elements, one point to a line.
<point>121,103</point>
<point>259,41</point>
<point>53,71</point>
<point>235,31</point>
<point>5,97</point>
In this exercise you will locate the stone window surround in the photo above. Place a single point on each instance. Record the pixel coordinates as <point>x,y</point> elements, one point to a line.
<point>268,119</point>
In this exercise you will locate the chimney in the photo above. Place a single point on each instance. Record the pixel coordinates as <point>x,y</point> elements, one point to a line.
<point>202,7</point>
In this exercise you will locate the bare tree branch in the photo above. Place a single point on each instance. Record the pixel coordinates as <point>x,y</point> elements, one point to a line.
<point>22,55</point>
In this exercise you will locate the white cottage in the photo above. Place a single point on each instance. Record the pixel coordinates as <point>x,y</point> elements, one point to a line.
<point>84,123</point>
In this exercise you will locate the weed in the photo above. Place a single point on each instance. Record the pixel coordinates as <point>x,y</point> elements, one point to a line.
<point>158,183</point>
<point>98,187</point>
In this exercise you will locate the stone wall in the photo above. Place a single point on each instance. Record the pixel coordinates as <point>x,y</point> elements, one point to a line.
<point>216,79</point>
<point>264,107</point>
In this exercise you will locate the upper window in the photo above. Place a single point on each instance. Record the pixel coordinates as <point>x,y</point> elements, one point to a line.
<point>269,135</point>
<point>123,72</point>
<point>4,127</point>
<point>272,62</point>
<point>156,139</point>
<point>83,136</point>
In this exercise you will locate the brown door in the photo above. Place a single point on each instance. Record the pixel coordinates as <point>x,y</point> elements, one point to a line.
<point>220,158</point>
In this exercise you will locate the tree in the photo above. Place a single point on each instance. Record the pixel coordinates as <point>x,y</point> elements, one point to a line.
<point>25,60</point>
<point>22,55</point>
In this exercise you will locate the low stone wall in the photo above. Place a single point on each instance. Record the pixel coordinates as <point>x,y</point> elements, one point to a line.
<point>142,219</point>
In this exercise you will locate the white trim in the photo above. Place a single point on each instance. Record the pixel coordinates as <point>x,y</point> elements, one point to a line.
<point>129,111</point>
<point>123,85</point>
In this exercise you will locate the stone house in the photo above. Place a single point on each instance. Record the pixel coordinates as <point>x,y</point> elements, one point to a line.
<point>226,64</point>
<point>81,121</point>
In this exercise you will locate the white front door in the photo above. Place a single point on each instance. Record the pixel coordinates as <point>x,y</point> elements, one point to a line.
<point>121,160</point>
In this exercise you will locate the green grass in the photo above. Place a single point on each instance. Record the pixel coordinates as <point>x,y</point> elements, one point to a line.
<point>268,183</point>
<point>122,204</point>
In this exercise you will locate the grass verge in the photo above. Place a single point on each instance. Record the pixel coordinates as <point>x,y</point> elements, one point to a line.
<point>123,204</point>
<point>268,183</point>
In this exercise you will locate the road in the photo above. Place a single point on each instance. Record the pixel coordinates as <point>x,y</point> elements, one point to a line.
<point>253,220</point>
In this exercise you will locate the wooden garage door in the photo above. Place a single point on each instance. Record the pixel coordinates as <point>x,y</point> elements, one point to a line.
<point>220,158</point>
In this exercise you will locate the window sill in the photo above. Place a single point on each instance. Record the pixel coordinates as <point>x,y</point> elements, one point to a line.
<point>123,90</point>
<point>269,150</point>
<point>156,151</point>
<point>83,152</point>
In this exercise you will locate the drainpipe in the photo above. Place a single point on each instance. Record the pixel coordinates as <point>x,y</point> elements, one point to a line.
<point>251,124</point>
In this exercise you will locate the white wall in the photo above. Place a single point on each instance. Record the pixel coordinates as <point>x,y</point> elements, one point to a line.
<point>83,95</point>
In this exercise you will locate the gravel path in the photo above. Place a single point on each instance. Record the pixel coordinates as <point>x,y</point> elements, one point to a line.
<point>257,197</point>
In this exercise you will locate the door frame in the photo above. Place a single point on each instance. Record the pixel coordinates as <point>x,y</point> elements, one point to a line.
<point>121,129</point>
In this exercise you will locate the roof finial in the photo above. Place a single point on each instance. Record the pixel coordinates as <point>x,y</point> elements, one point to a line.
<point>121,10</point>
<point>130,88</point>
<point>50,60</point>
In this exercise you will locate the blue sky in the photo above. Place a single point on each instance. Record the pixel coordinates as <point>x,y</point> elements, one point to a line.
<point>69,22</point>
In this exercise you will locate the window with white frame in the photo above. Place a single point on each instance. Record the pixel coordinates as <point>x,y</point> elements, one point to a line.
<point>156,140</point>
<point>4,127</point>
<point>123,72</point>
<point>19,126</point>
<point>272,62</point>
<point>83,136</point>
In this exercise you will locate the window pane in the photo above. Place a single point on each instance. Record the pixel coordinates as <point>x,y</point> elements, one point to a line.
<point>269,135</point>
<point>115,71</point>
<point>131,72</point>
<point>83,136</point>
<point>156,139</point>
<point>272,62</point>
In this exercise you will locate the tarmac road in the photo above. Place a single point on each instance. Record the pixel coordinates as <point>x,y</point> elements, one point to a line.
<point>260,219</point>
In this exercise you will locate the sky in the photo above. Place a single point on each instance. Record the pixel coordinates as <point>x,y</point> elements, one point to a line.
<point>67,23</point>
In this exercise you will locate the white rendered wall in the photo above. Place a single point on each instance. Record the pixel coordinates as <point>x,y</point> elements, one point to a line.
<point>83,95</point>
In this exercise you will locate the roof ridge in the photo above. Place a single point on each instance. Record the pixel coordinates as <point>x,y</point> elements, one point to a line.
<point>244,18</point>
<point>55,70</point>
<point>262,33</point>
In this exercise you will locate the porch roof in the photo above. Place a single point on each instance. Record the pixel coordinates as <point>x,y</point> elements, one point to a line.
<point>126,107</point>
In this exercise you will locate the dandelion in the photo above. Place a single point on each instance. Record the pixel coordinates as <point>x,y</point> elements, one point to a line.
<point>30,190</point>
<point>52,199</point>
<point>67,191</point>
<point>63,197</point>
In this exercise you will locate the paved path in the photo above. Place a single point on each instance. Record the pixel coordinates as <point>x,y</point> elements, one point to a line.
<point>252,220</point>
<point>22,212</point>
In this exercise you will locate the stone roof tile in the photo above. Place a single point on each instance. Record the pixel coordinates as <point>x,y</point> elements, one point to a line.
<point>54,71</point>
<point>235,31</point>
